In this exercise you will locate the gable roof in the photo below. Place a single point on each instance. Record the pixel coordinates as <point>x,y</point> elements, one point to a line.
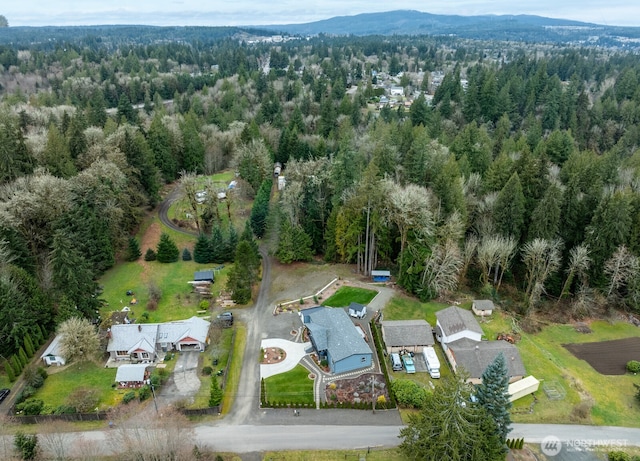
<point>53,349</point>
<point>454,319</point>
<point>397,333</point>
<point>130,373</point>
<point>173,332</point>
<point>476,356</point>
<point>126,337</point>
<point>483,304</point>
<point>356,307</point>
<point>336,330</point>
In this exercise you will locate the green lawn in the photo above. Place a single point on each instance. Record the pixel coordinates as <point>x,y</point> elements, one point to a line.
<point>58,386</point>
<point>219,349</point>
<point>347,295</point>
<point>405,308</point>
<point>177,301</point>
<point>544,357</point>
<point>291,387</point>
<point>235,367</point>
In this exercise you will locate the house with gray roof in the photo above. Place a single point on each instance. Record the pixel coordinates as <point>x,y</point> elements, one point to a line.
<point>455,323</point>
<point>336,339</point>
<point>482,307</point>
<point>142,342</point>
<point>411,335</point>
<point>132,375</point>
<point>475,356</point>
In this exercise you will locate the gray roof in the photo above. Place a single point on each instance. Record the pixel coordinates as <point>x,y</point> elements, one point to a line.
<point>454,319</point>
<point>54,348</point>
<point>381,273</point>
<point>173,332</point>
<point>203,275</point>
<point>130,373</point>
<point>356,307</point>
<point>336,328</point>
<point>483,304</point>
<point>398,333</point>
<point>129,337</point>
<point>145,336</point>
<point>476,356</point>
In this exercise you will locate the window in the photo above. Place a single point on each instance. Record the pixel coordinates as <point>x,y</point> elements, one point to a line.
<point>144,355</point>
<point>363,359</point>
<point>122,353</point>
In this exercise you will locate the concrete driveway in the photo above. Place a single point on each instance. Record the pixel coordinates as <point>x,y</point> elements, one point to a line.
<point>294,353</point>
<point>184,382</point>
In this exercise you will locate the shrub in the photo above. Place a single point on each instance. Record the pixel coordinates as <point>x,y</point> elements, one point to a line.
<point>128,397</point>
<point>155,292</point>
<point>150,255</point>
<point>26,445</point>
<point>84,399</point>
<point>144,393</point>
<point>145,315</point>
<point>203,305</point>
<point>27,392</point>
<point>65,410</point>
<point>152,305</point>
<point>207,370</point>
<point>633,366</point>
<point>31,407</point>
<point>186,255</point>
<point>618,456</point>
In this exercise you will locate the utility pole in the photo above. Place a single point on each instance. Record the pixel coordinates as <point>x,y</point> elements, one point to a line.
<point>373,397</point>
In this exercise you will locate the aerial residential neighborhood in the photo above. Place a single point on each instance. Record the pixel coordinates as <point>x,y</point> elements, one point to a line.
<point>386,236</point>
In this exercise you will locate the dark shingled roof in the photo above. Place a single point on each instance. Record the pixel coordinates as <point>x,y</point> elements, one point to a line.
<point>476,356</point>
<point>484,304</point>
<point>455,319</point>
<point>334,330</point>
<point>398,333</point>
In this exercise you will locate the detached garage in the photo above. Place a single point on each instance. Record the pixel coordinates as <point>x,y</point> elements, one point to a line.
<point>412,335</point>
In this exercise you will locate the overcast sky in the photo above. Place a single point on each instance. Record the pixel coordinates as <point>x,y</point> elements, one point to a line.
<point>254,12</point>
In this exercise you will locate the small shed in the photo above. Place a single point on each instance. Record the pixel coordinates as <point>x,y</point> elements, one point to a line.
<point>131,375</point>
<point>381,276</point>
<point>525,386</point>
<point>204,276</point>
<point>52,355</point>
<point>357,310</point>
<point>482,307</point>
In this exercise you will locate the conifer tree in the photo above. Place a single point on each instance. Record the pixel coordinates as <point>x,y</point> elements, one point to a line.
<point>22,355</point>
<point>133,251</point>
<point>28,345</point>
<point>215,398</point>
<point>8,369</point>
<point>167,251</point>
<point>186,255</point>
<point>202,250</point>
<point>493,395</point>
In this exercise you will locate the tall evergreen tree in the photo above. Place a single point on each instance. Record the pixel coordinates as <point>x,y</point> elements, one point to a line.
<point>509,209</point>
<point>167,251</point>
<point>493,395</point>
<point>133,250</point>
<point>202,251</point>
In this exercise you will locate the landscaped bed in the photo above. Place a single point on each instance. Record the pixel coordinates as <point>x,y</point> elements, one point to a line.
<point>357,390</point>
<point>608,357</point>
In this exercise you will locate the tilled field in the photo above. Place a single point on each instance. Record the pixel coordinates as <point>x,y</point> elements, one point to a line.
<point>607,357</point>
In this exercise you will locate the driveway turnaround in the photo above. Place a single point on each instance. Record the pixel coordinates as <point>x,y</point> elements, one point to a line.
<point>294,352</point>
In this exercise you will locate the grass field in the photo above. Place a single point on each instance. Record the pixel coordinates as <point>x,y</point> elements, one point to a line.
<point>405,308</point>
<point>291,387</point>
<point>235,367</point>
<point>220,350</point>
<point>347,295</point>
<point>177,301</point>
<point>58,386</point>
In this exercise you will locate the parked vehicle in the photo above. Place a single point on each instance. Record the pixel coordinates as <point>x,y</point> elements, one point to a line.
<point>3,394</point>
<point>396,363</point>
<point>225,319</point>
<point>431,359</point>
<point>408,363</point>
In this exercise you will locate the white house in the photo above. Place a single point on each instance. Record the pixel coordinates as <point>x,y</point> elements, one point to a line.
<point>455,323</point>
<point>357,310</point>
<point>142,342</point>
<point>52,354</point>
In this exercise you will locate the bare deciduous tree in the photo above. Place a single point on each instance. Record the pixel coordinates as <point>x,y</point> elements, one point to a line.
<point>146,436</point>
<point>541,258</point>
<point>79,340</point>
<point>620,269</point>
<point>579,263</point>
<point>442,268</point>
<point>56,440</point>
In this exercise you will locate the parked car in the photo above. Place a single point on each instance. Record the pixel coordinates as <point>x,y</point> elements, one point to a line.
<point>408,363</point>
<point>3,394</point>
<point>396,363</point>
<point>225,319</point>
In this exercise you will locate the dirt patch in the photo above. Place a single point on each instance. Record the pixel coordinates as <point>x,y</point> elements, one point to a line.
<point>357,390</point>
<point>272,355</point>
<point>150,239</point>
<point>521,455</point>
<point>607,357</point>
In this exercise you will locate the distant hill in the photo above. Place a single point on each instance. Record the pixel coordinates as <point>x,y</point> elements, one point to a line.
<point>496,27</point>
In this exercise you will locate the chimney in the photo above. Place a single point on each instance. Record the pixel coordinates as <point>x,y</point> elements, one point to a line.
<point>139,327</point>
